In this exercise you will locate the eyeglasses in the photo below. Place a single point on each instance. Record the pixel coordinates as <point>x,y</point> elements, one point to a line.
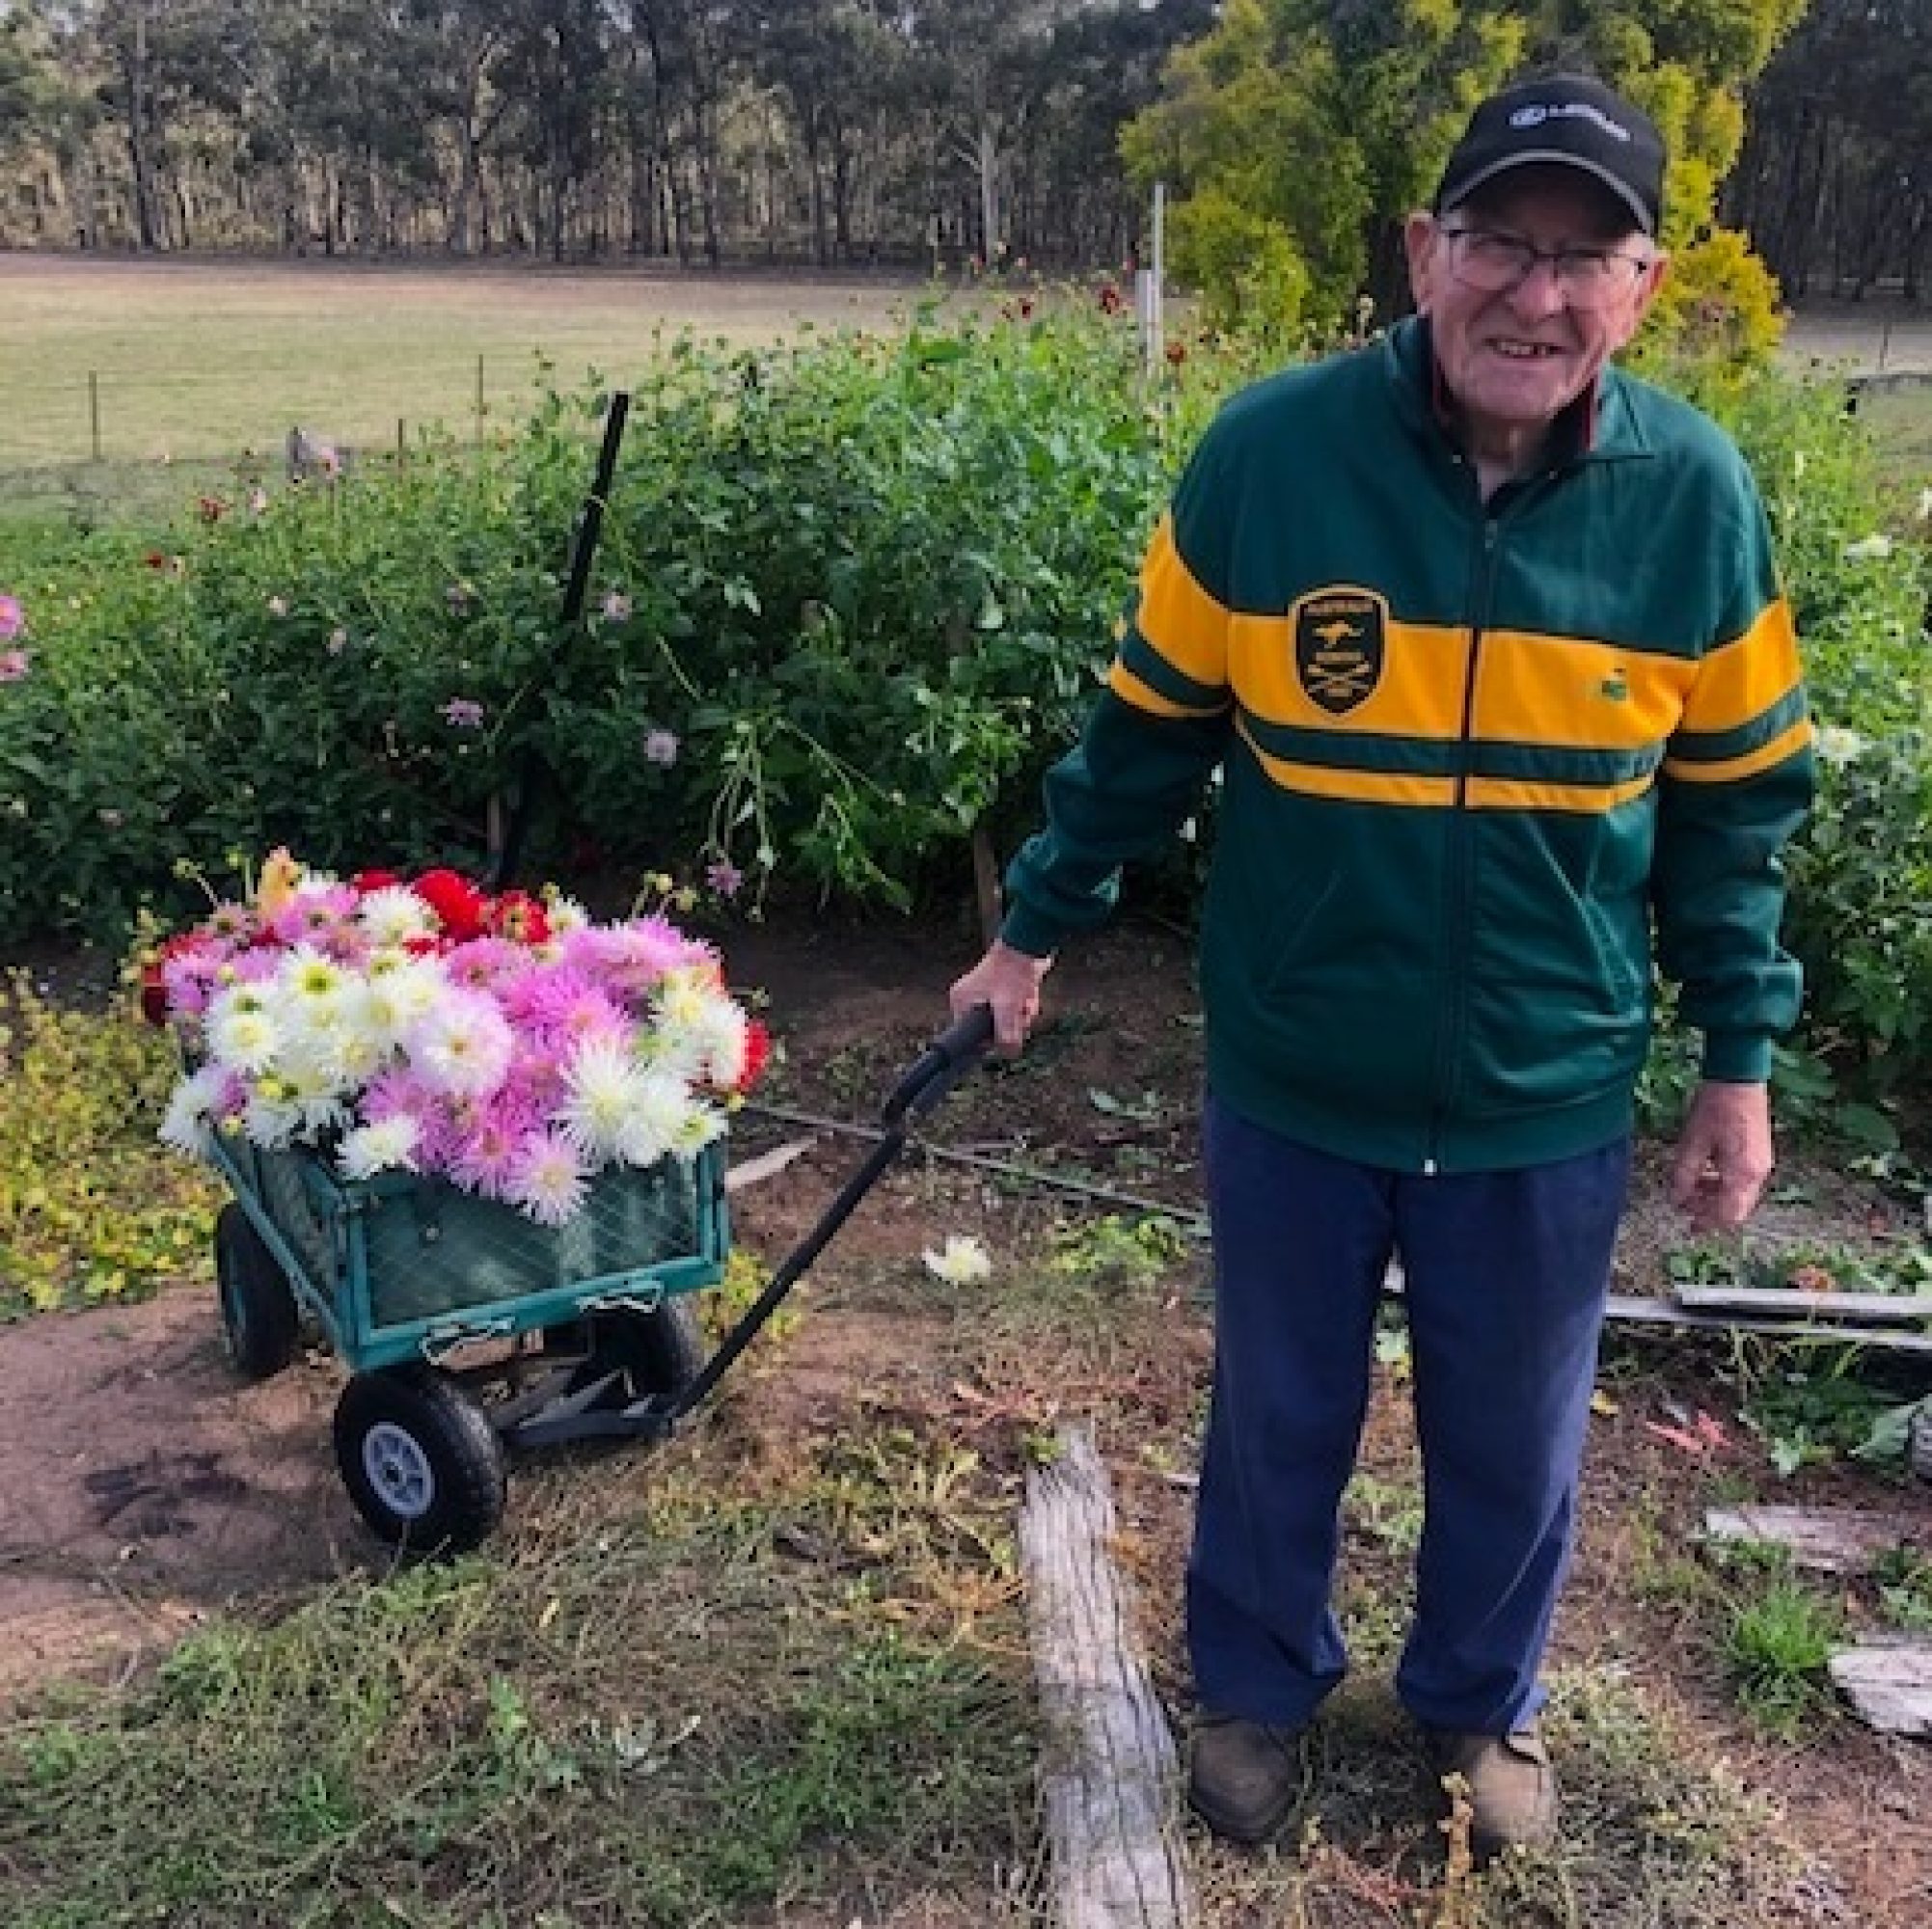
<point>1590,278</point>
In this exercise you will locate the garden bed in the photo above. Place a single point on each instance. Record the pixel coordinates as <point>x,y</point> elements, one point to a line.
<point>777,1671</point>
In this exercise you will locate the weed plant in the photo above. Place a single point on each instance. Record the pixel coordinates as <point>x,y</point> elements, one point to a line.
<point>1776,1647</point>
<point>92,1206</point>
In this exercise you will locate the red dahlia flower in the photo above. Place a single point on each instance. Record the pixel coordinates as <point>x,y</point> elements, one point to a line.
<point>459,905</point>
<point>519,917</point>
<point>757,1050</point>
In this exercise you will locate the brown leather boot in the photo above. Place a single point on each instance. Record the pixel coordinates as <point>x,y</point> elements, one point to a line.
<point>1512,1787</point>
<point>1245,1777</point>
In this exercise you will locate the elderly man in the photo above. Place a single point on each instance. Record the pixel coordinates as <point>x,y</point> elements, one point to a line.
<point>1486,638</point>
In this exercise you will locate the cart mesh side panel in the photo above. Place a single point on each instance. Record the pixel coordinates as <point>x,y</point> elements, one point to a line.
<point>433,1249</point>
<point>299,1214</point>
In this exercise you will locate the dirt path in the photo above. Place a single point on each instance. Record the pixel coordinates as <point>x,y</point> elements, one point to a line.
<point>142,1485</point>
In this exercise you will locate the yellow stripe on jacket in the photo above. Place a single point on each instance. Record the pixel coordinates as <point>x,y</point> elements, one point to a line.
<point>1182,623</point>
<point>1745,678</point>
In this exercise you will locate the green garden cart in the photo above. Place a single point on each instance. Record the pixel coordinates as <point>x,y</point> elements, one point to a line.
<point>470,1332</point>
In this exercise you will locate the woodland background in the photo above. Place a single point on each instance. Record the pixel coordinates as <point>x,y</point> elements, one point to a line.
<point>924,133</point>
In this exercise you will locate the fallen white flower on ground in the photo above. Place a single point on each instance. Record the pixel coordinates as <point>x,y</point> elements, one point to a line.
<point>1837,746</point>
<point>960,1262</point>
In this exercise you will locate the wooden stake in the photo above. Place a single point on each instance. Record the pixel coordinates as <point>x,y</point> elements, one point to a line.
<point>1109,1778</point>
<point>986,886</point>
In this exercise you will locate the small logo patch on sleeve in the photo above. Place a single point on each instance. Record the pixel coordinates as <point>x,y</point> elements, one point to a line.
<point>1341,643</point>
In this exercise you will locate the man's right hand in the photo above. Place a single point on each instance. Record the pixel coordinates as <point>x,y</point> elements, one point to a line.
<point>1009,981</point>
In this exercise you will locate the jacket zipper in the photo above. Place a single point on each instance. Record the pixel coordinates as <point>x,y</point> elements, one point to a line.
<point>1462,881</point>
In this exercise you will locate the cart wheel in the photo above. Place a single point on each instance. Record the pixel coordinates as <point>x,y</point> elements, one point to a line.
<point>661,1351</point>
<point>260,1316</point>
<point>420,1460</point>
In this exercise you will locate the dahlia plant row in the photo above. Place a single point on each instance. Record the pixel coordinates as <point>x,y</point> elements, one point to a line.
<point>506,1042</point>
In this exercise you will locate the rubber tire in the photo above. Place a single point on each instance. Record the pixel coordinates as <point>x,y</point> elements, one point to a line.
<point>444,1438</point>
<point>661,1351</point>
<point>260,1316</point>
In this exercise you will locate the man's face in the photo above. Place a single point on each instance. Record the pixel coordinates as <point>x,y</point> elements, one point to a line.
<point>1515,358</point>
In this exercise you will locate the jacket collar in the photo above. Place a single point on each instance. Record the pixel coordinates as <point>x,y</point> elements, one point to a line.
<point>1599,426</point>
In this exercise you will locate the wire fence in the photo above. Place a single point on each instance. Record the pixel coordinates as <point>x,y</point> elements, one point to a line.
<point>104,417</point>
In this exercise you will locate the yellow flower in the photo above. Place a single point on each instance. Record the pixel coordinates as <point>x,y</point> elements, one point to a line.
<point>280,874</point>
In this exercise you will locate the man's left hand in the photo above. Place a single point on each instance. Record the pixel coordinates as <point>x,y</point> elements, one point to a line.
<point>1724,1154</point>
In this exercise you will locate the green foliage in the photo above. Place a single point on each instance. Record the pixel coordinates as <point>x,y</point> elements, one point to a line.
<point>1890,1441</point>
<point>1309,130</point>
<point>1815,1412</point>
<point>1904,1579</point>
<point>1114,1250</point>
<point>1777,1647</point>
<point>1302,132</point>
<point>1718,302</point>
<point>91,1209</point>
<point>1860,908</point>
<point>851,594</point>
<point>1248,271</point>
<point>1859,575</point>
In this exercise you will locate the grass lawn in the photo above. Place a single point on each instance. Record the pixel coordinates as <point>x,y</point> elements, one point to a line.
<point>1901,425</point>
<point>196,363</point>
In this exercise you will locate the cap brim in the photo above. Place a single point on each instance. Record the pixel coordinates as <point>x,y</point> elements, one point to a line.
<point>1559,157</point>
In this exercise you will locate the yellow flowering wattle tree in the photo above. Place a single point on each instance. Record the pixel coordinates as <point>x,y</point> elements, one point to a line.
<point>1298,133</point>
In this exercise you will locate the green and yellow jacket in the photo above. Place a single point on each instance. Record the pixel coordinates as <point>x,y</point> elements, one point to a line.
<point>1472,755</point>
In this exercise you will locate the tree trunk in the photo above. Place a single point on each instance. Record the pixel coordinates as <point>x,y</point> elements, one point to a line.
<point>985,161</point>
<point>140,156</point>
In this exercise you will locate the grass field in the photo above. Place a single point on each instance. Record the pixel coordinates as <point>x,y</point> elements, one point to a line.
<point>193,365</point>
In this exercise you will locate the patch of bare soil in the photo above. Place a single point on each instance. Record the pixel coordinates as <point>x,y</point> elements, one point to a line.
<point>140,1487</point>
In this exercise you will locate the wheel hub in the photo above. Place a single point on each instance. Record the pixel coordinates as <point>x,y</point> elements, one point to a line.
<point>398,1470</point>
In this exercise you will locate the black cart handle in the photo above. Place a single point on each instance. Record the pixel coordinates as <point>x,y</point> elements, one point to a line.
<point>940,1066</point>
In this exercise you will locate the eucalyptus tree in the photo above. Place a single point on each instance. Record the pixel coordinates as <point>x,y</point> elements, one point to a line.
<point>1099,68</point>
<point>151,50</point>
<point>454,52</point>
<point>554,67</point>
<point>45,112</point>
<point>840,67</point>
<point>678,62</point>
<point>1835,181</point>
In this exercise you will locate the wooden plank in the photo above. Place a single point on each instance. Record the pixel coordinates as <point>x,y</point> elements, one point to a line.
<point>1903,1307</point>
<point>766,1164</point>
<point>1829,1541</point>
<point>1889,1685</point>
<point>1111,1770</point>
<point>1638,1309</point>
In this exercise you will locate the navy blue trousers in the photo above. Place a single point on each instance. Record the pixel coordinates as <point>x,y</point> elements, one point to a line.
<point>1506,1275</point>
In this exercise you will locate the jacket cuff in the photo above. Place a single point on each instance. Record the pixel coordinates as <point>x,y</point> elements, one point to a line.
<point>1027,931</point>
<point>1736,1057</point>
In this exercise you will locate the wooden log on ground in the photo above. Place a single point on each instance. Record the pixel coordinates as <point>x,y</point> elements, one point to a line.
<point>1110,1775</point>
<point>1829,1540</point>
<point>1640,1310</point>
<point>754,1171</point>
<point>1792,1302</point>
<point>1890,1684</point>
